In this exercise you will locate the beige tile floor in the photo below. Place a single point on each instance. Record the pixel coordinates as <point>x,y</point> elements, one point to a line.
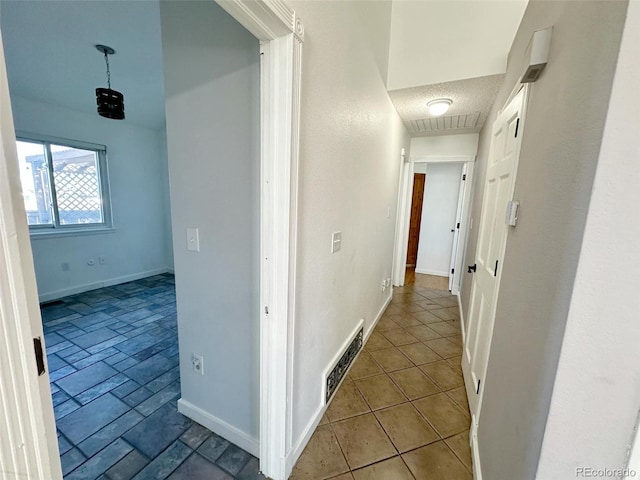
<point>402,411</point>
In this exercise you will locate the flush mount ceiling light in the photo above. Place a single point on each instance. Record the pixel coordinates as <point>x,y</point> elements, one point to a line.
<point>110,102</point>
<point>439,107</point>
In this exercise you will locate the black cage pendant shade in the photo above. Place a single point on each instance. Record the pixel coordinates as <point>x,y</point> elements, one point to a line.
<point>110,102</point>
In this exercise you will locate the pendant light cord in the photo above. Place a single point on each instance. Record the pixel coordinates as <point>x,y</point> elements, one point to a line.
<point>106,60</point>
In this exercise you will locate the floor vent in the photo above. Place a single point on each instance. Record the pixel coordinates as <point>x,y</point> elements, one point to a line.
<point>335,375</point>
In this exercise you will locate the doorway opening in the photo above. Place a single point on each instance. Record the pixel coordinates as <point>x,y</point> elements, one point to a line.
<point>434,202</point>
<point>96,194</point>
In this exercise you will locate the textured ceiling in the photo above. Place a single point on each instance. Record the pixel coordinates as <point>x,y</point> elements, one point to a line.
<point>50,54</point>
<point>472,100</point>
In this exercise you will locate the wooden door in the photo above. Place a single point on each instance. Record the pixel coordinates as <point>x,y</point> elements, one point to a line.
<point>416,217</point>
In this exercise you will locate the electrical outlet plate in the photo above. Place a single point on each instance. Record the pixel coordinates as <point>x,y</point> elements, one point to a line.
<point>197,361</point>
<point>193,239</point>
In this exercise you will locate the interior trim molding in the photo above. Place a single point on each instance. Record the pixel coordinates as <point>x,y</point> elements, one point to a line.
<point>219,426</point>
<point>48,297</point>
<point>442,158</point>
<point>281,35</point>
<point>436,273</point>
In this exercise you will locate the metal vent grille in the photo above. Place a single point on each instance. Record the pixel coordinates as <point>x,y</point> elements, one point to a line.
<point>336,374</point>
<point>446,122</point>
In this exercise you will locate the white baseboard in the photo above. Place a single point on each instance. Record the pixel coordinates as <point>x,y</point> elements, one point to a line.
<point>298,448</point>
<point>220,427</point>
<point>296,451</point>
<point>47,297</point>
<point>171,270</point>
<point>386,303</point>
<point>437,273</point>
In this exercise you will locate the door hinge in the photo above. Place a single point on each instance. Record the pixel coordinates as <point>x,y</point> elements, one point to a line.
<point>478,388</point>
<point>495,271</point>
<point>453,270</point>
<point>266,310</point>
<point>37,347</point>
<point>458,225</point>
<point>517,125</point>
<point>464,177</point>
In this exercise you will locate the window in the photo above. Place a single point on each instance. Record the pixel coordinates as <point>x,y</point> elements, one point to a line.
<point>64,185</point>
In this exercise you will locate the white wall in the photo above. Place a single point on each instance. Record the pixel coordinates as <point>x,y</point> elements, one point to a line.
<point>212,107</point>
<point>137,176</point>
<point>453,40</point>
<point>560,149</point>
<point>596,395</point>
<point>350,160</point>
<point>444,145</point>
<point>439,208</point>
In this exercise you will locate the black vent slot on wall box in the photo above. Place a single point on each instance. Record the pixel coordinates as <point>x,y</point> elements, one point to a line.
<point>335,376</point>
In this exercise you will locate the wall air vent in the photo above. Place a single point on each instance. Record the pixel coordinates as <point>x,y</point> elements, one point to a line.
<point>445,123</point>
<point>348,353</point>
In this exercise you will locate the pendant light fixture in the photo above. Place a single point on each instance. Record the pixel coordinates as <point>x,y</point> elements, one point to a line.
<point>110,102</point>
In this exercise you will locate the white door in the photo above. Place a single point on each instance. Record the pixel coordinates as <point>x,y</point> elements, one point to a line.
<point>492,238</point>
<point>28,441</point>
<point>456,229</point>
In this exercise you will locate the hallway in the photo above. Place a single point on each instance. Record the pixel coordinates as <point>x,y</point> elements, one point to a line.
<point>402,411</point>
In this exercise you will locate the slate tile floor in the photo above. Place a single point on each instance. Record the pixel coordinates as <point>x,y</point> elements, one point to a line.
<point>113,363</point>
<point>402,411</point>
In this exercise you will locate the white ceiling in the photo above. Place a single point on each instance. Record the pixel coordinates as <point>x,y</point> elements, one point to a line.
<point>455,49</point>
<point>472,100</point>
<point>437,41</point>
<point>50,54</point>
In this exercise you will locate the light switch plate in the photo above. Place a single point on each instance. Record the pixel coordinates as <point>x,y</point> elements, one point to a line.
<point>336,241</point>
<point>193,240</point>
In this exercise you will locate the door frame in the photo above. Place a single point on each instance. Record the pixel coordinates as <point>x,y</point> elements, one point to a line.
<point>404,216</point>
<point>281,36</point>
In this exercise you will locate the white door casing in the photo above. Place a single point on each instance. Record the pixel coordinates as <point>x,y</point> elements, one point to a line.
<point>28,441</point>
<point>281,35</point>
<point>492,239</point>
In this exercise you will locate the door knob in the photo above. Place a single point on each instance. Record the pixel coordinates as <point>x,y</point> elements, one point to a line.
<point>472,268</point>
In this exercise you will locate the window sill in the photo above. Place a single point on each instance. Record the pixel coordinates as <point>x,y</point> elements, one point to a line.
<point>41,234</point>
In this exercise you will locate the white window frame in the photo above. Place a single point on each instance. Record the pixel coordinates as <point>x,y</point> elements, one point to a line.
<point>56,228</point>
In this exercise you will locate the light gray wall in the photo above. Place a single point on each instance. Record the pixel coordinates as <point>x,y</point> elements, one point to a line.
<point>444,145</point>
<point>351,137</point>
<point>212,106</point>
<point>596,395</point>
<point>560,146</point>
<point>439,208</point>
<point>137,176</point>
